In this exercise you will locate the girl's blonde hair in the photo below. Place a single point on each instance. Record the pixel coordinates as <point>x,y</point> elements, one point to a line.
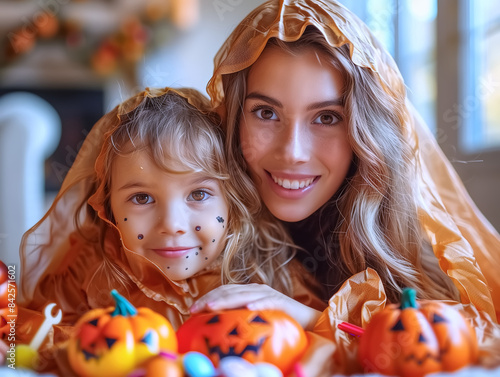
<point>377,224</point>
<point>177,136</point>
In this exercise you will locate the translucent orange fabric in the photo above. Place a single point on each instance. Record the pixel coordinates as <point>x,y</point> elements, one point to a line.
<point>466,245</point>
<point>60,264</point>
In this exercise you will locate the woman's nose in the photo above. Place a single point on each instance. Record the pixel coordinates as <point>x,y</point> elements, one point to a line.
<point>293,144</point>
<point>172,219</point>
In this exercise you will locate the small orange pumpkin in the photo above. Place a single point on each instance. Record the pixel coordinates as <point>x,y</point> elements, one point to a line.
<point>163,365</point>
<point>114,341</point>
<point>268,335</point>
<point>415,339</point>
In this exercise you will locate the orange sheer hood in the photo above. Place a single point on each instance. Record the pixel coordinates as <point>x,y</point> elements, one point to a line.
<point>464,242</point>
<point>48,249</point>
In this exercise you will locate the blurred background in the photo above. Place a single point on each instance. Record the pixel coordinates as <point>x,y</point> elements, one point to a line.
<point>64,63</point>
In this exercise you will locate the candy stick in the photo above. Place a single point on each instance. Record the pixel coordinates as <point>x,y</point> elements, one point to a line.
<point>350,328</point>
<point>298,370</point>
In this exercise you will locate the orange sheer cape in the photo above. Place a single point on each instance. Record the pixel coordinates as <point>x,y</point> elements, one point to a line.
<point>466,245</point>
<point>58,264</point>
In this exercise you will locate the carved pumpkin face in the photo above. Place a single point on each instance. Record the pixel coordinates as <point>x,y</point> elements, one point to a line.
<point>268,335</point>
<point>411,340</point>
<point>114,341</point>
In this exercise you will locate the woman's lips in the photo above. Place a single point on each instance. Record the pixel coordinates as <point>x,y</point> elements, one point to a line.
<point>293,183</point>
<point>290,186</point>
<point>173,252</point>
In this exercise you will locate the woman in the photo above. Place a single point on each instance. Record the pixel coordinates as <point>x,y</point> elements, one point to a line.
<point>316,113</point>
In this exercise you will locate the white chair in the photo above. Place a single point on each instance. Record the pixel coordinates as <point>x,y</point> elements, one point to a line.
<point>30,129</point>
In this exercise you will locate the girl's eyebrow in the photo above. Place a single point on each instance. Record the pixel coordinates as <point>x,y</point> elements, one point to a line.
<point>203,179</point>
<point>130,185</point>
<point>195,181</point>
<point>312,106</point>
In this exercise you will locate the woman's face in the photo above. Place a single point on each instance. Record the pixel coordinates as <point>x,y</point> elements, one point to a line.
<point>293,132</point>
<point>177,221</point>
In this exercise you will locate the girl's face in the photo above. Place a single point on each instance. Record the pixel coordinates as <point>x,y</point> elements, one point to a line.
<point>293,132</point>
<point>177,221</point>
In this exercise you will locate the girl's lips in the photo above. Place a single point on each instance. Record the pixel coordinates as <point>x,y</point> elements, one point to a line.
<point>173,252</point>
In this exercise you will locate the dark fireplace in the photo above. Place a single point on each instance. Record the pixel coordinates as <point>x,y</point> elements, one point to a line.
<point>78,109</point>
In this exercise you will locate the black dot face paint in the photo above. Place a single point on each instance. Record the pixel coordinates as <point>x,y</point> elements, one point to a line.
<point>206,258</point>
<point>198,228</point>
<point>213,240</point>
<point>196,253</point>
<point>187,256</point>
<point>220,219</point>
<point>140,237</point>
<point>200,248</point>
<point>125,219</point>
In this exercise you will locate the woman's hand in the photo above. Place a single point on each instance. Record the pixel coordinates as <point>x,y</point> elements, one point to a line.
<point>256,297</point>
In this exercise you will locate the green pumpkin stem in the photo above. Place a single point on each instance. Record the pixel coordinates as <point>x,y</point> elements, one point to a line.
<point>122,306</point>
<point>409,299</point>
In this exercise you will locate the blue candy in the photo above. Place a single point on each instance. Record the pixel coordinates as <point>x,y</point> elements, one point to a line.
<point>198,365</point>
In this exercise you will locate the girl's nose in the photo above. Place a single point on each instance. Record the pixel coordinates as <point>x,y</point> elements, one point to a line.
<point>172,219</point>
<point>293,144</point>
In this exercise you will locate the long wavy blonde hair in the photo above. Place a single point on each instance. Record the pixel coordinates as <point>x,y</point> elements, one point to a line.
<point>172,130</point>
<point>377,224</point>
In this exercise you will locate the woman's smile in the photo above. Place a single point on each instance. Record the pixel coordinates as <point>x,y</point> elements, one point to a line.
<point>293,182</point>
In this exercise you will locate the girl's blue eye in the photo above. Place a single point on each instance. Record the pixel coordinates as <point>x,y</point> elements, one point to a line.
<point>199,196</point>
<point>265,113</point>
<point>327,119</point>
<point>142,199</point>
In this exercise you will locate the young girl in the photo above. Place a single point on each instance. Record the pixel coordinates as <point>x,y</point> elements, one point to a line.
<point>315,111</point>
<point>156,216</point>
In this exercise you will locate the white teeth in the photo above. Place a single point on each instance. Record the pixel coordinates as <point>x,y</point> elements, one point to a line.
<point>292,184</point>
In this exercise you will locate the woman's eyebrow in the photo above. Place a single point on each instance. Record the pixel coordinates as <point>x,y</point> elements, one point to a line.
<point>312,106</point>
<point>262,97</point>
<point>322,104</point>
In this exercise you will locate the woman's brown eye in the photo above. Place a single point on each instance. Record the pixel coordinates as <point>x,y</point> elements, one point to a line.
<point>266,114</point>
<point>326,119</point>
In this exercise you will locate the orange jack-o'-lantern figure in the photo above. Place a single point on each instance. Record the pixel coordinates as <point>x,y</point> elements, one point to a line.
<point>8,307</point>
<point>112,342</point>
<point>267,335</point>
<point>415,339</point>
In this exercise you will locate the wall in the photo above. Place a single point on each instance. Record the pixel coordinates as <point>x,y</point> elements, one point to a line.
<point>187,59</point>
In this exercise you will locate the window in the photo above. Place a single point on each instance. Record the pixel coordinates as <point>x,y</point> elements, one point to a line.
<point>447,52</point>
<point>407,30</point>
<point>480,110</point>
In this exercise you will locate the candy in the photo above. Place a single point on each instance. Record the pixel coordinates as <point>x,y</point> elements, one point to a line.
<point>198,365</point>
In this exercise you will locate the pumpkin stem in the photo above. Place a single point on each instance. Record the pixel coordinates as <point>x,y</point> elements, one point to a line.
<point>122,306</point>
<point>409,299</point>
